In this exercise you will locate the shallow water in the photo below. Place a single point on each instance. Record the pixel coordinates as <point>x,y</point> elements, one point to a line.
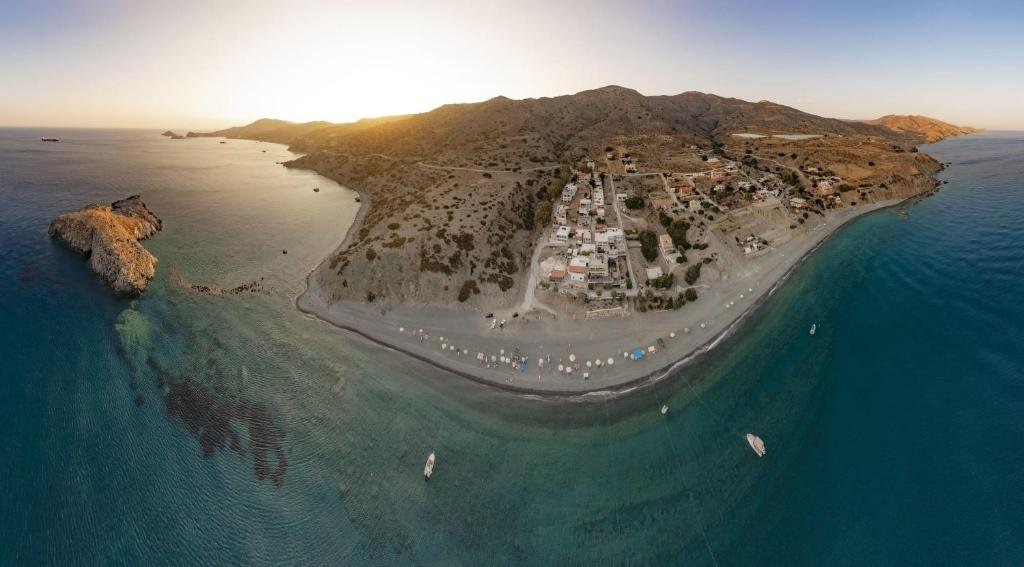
<point>182,427</point>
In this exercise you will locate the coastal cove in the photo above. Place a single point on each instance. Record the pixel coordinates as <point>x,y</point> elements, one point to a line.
<point>186,427</point>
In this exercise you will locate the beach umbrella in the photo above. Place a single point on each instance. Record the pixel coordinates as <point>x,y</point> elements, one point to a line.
<point>493,358</point>
<point>401,329</point>
<point>560,368</point>
<point>421,331</point>
<point>441,339</point>
<point>741,296</point>
<point>568,369</point>
<point>451,347</point>
<point>502,351</point>
<point>443,346</point>
<point>751,290</point>
<point>702,325</point>
<point>598,362</point>
<point>589,364</point>
<point>572,358</point>
<point>611,361</point>
<point>625,355</point>
<point>465,351</point>
<point>686,329</point>
<point>672,335</point>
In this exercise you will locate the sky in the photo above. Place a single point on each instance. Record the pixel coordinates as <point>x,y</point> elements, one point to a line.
<point>200,65</point>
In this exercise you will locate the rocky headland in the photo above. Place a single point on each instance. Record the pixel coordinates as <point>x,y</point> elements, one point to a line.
<point>110,235</point>
<point>172,135</point>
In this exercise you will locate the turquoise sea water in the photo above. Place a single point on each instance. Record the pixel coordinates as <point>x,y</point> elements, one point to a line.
<point>181,428</point>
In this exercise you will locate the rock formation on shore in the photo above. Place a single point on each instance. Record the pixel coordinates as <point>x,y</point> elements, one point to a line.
<point>172,135</point>
<point>109,235</point>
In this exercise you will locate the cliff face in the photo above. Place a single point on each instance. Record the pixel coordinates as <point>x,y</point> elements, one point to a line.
<point>109,235</point>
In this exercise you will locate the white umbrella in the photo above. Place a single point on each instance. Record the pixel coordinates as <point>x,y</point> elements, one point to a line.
<point>465,351</point>
<point>441,339</point>
<point>561,368</point>
<point>401,329</point>
<point>568,369</point>
<point>589,364</point>
<point>625,355</point>
<point>443,346</point>
<point>502,351</point>
<point>672,335</point>
<point>421,331</point>
<point>598,362</point>
<point>751,290</point>
<point>741,296</point>
<point>572,358</point>
<point>451,347</point>
<point>611,361</point>
<point>493,358</point>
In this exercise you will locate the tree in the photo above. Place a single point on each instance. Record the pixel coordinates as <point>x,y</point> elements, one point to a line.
<point>649,245</point>
<point>542,214</point>
<point>693,273</point>
<point>634,202</point>
<point>677,232</point>
<point>664,219</point>
<point>691,294</point>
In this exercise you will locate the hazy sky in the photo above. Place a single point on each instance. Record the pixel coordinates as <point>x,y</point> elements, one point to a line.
<point>189,64</point>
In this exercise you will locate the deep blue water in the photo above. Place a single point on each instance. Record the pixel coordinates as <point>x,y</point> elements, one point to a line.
<point>181,428</point>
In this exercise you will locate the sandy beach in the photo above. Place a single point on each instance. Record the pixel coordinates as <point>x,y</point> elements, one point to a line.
<point>456,340</point>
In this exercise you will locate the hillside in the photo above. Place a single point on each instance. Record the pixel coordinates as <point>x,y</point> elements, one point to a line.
<point>930,129</point>
<point>449,196</point>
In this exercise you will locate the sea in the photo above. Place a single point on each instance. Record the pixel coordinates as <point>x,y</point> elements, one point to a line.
<point>183,428</point>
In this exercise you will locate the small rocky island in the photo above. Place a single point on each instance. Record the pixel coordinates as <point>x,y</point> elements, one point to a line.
<point>109,235</point>
<point>173,135</point>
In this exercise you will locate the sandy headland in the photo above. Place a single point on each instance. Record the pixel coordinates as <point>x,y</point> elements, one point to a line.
<point>455,340</point>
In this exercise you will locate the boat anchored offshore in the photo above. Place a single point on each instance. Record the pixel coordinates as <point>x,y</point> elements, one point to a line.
<point>814,329</point>
<point>664,410</point>
<point>756,443</point>
<point>51,139</point>
<point>428,469</point>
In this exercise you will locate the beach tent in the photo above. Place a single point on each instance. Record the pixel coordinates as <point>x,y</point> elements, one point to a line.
<point>638,353</point>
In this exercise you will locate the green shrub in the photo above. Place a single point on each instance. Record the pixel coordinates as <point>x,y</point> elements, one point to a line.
<point>691,294</point>
<point>634,202</point>
<point>468,288</point>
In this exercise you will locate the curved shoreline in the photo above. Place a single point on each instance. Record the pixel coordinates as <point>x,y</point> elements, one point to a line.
<point>649,378</point>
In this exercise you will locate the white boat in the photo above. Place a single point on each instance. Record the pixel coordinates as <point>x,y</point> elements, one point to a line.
<point>814,329</point>
<point>756,443</point>
<point>664,410</point>
<point>428,469</point>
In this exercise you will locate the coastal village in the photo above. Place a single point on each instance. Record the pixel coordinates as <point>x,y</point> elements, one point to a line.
<point>626,235</point>
<point>652,251</point>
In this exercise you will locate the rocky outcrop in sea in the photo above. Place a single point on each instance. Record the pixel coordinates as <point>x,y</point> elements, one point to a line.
<point>110,237</point>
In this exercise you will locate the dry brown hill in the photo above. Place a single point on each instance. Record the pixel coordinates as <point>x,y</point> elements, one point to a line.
<point>449,196</point>
<point>930,129</point>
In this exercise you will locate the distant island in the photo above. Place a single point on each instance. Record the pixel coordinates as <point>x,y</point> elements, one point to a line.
<point>172,135</point>
<point>562,244</point>
<point>109,235</point>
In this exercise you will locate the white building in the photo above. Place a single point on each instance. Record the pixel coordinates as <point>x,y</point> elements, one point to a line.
<point>561,215</point>
<point>561,235</point>
<point>578,269</point>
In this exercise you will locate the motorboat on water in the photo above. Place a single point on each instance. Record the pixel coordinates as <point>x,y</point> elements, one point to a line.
<point>756,443</point>
<point>664,410</point>
<point>51,139</point>
<point>428,469</point>
<point>814,329</point>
